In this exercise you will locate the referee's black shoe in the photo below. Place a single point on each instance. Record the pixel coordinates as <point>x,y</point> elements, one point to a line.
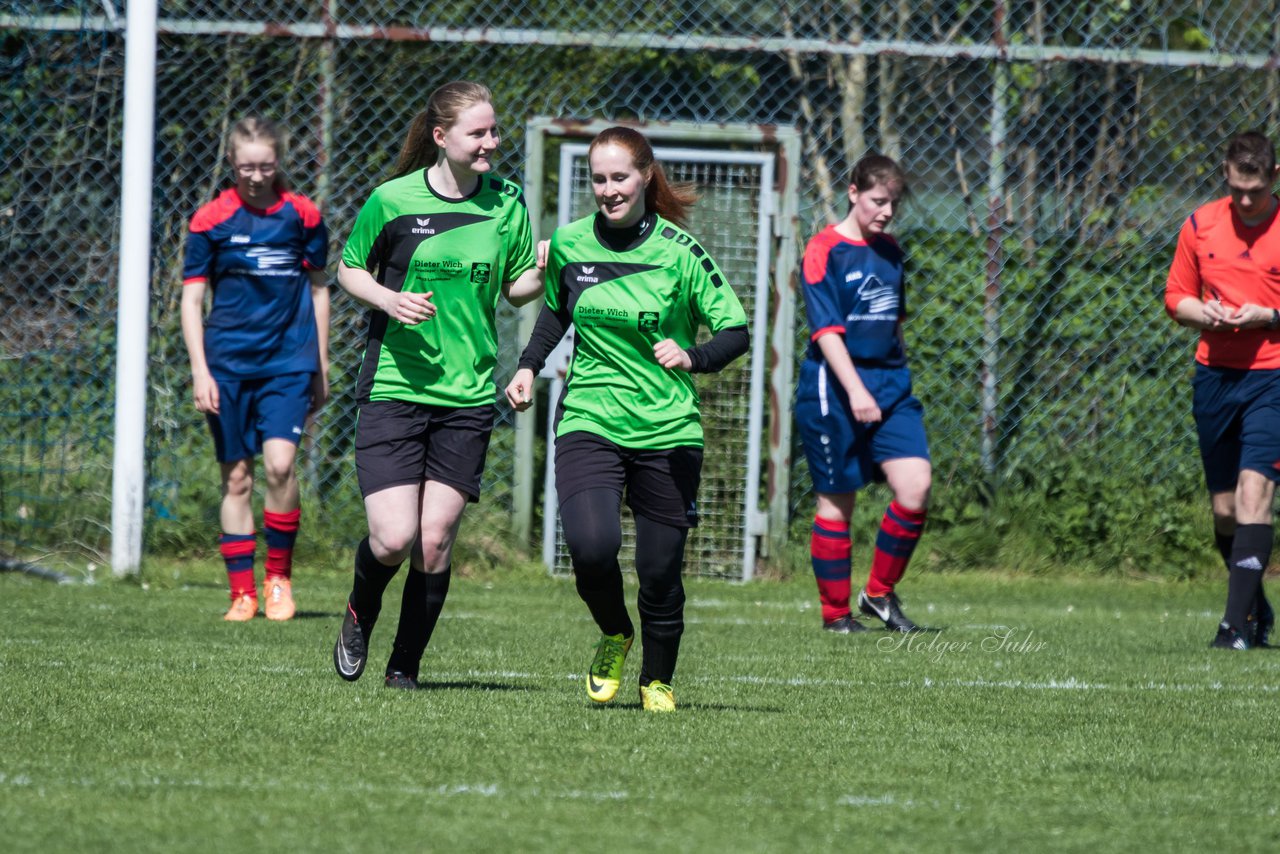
<point>846,625</point>
<point>887,609</point>
<point>1229,638</point>
<point>1261,622</point>
<point>400,680</point>
<point>351,650</point>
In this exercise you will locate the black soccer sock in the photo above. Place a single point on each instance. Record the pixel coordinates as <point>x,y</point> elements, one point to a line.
<point>1223,542</point>
<point>1250,554</point>
<point>424,595</point>
<point>593,532</point>
<point>371,579</point>
<point>659,560</point>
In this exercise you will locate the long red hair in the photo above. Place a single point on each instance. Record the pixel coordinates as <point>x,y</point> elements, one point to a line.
<point>669,201</point>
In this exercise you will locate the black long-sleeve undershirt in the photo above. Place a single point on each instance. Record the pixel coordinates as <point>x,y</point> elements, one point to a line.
<point>710,357</point>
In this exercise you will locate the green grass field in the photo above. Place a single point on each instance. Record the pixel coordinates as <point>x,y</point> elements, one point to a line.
<point>1051,714</point>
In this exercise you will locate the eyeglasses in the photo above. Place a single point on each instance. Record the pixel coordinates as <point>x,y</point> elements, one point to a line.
<point>264,169</point>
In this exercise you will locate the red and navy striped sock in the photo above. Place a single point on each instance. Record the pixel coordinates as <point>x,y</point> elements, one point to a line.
<point>281,532</point>
<point>237,552</point>
<point>829,548</point>
<point>899,532</point>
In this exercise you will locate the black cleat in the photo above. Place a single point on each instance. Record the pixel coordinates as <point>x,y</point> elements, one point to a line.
<point>846,625</point>
<point>400,680</point>
<point>351,650</point>
<point>1229,638</point>
<point>887,609</point>
<point>1261,622</point>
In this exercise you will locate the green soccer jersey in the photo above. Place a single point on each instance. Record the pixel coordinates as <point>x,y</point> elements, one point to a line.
<point>622,302</point>
<point>412,239</point>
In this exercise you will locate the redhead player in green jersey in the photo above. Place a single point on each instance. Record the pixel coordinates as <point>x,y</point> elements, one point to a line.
<point>636,287</point>
<point>431,252</point>
<point>1225,282</point>
<point>260,359</point>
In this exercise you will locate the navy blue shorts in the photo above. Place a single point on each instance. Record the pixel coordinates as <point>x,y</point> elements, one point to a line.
<point>1237,414</point>
<point>661,485</point>
<point>252,411</point>
<point>844,455</point>
<point>398,443</point>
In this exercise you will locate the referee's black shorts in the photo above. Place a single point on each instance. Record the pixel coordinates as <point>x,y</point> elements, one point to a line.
<point>661,485</point>
<point>398,443</point>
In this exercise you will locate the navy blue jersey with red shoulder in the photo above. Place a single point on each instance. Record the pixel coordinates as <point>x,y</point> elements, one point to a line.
<point>855,288</point>
<point>262,322</point>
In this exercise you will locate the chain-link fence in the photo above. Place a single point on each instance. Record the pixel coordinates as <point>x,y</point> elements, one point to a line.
<point>1054,149</point>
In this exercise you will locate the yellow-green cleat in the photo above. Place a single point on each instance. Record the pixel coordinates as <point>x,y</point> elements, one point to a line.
<point>658,697</point>
<point>605,674</point>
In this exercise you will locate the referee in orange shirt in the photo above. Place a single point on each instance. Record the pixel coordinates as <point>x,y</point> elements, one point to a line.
<point>1225,281</point>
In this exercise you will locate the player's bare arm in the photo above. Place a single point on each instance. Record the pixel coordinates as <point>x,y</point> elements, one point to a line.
<point>406,308</point>
<point>203,386</point>
<point>864,406</point>
<point>531,283</point>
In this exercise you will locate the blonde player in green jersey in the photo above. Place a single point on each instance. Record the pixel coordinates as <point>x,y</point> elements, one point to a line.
<point>431,252</point>
<point>636,287</point>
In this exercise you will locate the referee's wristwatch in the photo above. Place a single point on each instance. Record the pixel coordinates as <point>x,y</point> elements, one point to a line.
<point>1274,322</point>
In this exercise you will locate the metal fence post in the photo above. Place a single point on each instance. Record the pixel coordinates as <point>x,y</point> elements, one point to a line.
<point>994,256</point>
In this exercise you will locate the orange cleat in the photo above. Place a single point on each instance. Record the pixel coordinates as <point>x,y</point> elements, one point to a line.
<point>279,593</point>
<point>242,609</point>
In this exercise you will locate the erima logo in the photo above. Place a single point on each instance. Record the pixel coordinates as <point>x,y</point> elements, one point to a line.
<point>1251,562</point>
<point>586,278</point>
<point>297,431</point>
<point>589,270</point>
<point>854,276</point>
<point>426,221</point>
<point>239,238</point>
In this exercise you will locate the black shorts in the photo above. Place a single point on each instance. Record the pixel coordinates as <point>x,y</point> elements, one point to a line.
<point>1237,416</point>
<point>399,443</point>
<point>661,485</point>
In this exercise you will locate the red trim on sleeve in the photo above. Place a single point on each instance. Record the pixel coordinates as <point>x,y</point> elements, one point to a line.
<point>817,252</point>
<point>826,330</point>
<point>217,211</point>
<point>306,209</point>
<point>196,280</point>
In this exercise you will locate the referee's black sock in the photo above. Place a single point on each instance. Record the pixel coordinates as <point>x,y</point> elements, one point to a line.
<point>1250,553</point>
<point>1223,542</point>
<point>371,579</point>
<point>424,595</point>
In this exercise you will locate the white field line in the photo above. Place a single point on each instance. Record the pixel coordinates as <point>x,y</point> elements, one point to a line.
<point>448,790</point>
<point>482,790</point>
<point>1068,684</point>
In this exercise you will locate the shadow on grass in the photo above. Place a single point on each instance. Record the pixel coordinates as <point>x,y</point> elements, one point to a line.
<point>317,615</point>
<point>473,685</point>
<point>631,708</point>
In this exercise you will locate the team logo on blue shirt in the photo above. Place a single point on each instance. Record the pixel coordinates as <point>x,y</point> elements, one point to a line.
<point>879,297</point>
